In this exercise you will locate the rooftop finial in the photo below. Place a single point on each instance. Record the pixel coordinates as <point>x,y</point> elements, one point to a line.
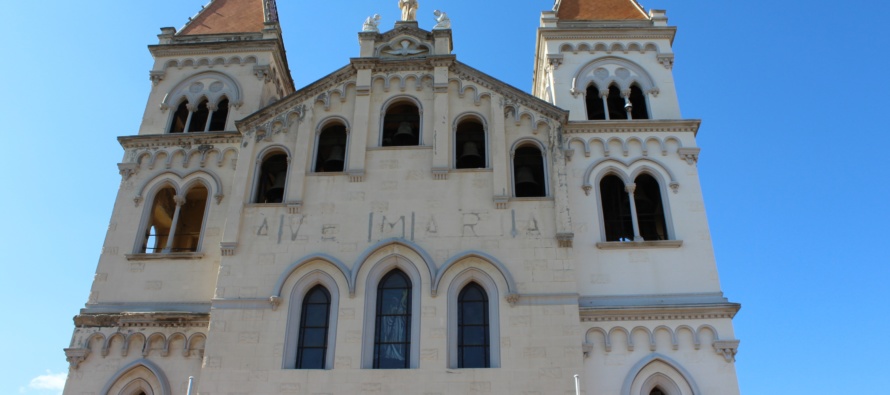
<point>409,9</point>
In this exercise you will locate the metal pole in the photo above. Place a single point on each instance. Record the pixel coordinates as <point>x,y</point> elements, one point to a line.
<point>192,381</point>
<point>577,385</point>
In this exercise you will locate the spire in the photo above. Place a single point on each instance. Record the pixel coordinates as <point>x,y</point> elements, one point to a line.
<point>232,16</point>
<point>600,10</point>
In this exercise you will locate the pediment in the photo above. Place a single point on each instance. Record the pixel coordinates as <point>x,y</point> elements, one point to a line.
<point>404,41</point>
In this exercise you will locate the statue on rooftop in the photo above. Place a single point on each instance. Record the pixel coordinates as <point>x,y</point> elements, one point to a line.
<point>409,9</point>
<point>371,23</point>
<point>442,20</point>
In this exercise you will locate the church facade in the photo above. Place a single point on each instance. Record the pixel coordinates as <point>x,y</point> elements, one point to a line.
<point>409,224</point>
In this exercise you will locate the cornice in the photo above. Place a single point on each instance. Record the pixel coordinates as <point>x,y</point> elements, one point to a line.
<point>183,140</point>
<point>204,48</point>
<point>510,92</point>
<point>634,126</point>
<point>158,320</point>
<point>309,92</point>
<point>659,313</point>
<point>575,33</point>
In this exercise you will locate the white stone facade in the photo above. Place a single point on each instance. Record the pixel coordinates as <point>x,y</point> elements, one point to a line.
<point>627,316</point>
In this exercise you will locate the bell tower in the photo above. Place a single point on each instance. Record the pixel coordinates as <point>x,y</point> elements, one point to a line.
<point>654,318</point>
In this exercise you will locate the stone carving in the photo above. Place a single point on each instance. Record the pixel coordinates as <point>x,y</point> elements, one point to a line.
<point>409,9</point>
<point>442,20</point>
<point>407,48</point>
<point>371,23</point>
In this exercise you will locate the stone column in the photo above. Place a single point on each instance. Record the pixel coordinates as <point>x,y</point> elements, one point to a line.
<point>630,188</point>
<point>180,201</point>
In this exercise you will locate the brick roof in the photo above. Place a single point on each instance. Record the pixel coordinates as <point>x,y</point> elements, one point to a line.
<point>600,10</point>
<point>228,16</point>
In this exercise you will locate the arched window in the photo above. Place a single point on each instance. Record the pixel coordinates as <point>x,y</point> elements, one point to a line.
<point>528,172</point>
<point>595,110</point>
<point>331,149</point>
<point>616,104</point>
<point>175,222</point>
<point>392,329</point>
<point>617,218</point>
<point>160,221</point>
<point>272,178</point>
<point>401,125</point>
<point>473,336</point>
<point>638,101</point>
<point>470,149</point>
<point>650,209</point>
<point>199,118</point>
<point>219,116</point>
<point>314,321</point>
<point>180,118</point>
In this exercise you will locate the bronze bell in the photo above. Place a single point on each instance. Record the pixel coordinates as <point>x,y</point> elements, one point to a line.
<point>526,184</point>
<point>470,159</point>
<point>335,159</point>
<point>275,193</point>
<point>404,135</point>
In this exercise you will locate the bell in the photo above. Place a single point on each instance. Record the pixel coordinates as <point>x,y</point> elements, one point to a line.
<point>470,159</point>
<point>275,193</point>
<point>334,162</point>
<point>404,136</point>
<point>526,185</point>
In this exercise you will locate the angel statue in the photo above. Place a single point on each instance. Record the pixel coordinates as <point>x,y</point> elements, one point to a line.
<point>371,23</point>
<point>442,20</point>
<point>409,9</point>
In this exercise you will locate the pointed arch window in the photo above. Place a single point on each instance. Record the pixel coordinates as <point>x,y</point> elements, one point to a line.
<point>219,116</point>
<point>175,222</point>
<point>470,148</point>
<point>616,103</point>
<point>272,178</point>
<point>528,172</point>
<point>330,155</point>
<point>180,118</point>
<point>637,99</point>
<point>616,209</point>
<point>595,104</point>
<point>314,322</point>
<point>199,118</point>
<point>401,125</point>
<point>473,334</point>
<point>392,329</point>
<point>650,209</point>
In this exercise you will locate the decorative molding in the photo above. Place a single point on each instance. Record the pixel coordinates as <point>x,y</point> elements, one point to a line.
<point>440,173</point>
<point>586,348</point>
<point>127,170</point>
<point>501,202</point>
<point>512,299</point>
<point>690,155</point>
<point>659,313</point>
<point>356,175</point>
<point>555,60</point>
<point>727,348</point>
<point>75,356</point>
<point>666,60</point>
<point>228,248</point>
<point>294,207</point>
<point>154,320</point>
<point>565,239</point>
<point>154,142</point>
<point>263,73</point>
<point>633,126</point>
<point>629,245</point>
<point>156,76</point>
<point>165,256</point>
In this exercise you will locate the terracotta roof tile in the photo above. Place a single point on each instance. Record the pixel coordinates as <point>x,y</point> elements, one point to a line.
<point>228,16</point>
<point>601,10</point>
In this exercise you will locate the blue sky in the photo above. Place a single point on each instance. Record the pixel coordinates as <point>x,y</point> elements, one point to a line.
<point>793,165</point>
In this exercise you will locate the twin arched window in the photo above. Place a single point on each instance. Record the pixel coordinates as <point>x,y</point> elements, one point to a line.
<point>202,118</point>
<point>528,172</point>
<point>616,105</point>
<point>175,221</point>
<point>633,212</point>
